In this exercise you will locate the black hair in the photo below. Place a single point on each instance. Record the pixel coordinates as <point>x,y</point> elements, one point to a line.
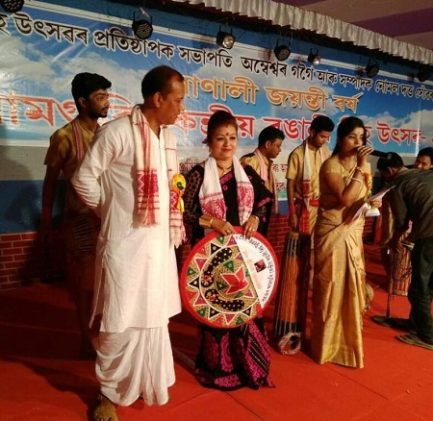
<point>428,151</point>
<point>158,80</point>
<point>84,84</point>
<point>322,123</point>
<point>346,126</point>
<point>218,119</point>
<point>270,133</point>
<point>391,160</point>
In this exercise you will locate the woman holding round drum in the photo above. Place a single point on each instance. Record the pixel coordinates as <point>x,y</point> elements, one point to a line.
<point>221,195</point>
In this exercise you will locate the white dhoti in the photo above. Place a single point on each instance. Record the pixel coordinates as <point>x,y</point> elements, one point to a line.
<point>136,288</point>
<point>134,363</point>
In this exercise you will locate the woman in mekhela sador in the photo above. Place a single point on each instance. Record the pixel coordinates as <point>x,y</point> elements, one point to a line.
<point>221,194</point>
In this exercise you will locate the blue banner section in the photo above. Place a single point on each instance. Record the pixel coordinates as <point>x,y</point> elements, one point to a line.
<point>20,208</point>
<point>51,47</point>
<point>43,48</point>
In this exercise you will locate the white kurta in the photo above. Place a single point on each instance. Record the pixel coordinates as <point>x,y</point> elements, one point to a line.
<point>136,282</point>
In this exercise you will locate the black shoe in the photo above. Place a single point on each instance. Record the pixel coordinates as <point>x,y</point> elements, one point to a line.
<point>413,339</point>
<point>394,322</point>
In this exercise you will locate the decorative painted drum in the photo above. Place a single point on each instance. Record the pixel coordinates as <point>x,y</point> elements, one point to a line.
<point>228,280</point>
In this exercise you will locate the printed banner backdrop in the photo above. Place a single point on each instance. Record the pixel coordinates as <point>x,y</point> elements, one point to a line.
<point>44,46</point>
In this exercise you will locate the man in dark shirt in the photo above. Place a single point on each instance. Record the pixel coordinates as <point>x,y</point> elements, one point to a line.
<point>412,200</point>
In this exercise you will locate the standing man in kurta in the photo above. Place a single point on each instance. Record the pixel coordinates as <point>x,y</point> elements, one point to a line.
<point>261,160</point>
<point>80,226</point>
<point>303,175</point>
<point>127,178</point>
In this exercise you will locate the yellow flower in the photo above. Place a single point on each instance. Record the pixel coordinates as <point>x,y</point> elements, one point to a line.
<point>178,185</point>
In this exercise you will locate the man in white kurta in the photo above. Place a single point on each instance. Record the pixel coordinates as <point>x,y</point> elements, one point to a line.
<point>136,283</point>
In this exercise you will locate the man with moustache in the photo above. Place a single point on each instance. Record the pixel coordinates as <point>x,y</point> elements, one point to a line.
<point>128,178</point>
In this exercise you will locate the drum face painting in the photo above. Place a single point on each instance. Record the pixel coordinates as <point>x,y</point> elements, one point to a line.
<point>228,280</point>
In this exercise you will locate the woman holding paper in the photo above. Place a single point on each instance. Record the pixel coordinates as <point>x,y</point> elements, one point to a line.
<point>339,276</point>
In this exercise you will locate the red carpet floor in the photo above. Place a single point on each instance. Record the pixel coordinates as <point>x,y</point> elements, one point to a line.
<point>42,378</point>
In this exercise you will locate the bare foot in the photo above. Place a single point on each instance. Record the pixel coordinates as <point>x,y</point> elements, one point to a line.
<point>105,410</point>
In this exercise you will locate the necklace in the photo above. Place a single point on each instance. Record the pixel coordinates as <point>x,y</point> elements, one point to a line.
<point>347,164</point>
<point>225,170</point>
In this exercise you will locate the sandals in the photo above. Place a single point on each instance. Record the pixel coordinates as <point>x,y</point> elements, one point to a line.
<point>105,410</point>
<point>413,339</point>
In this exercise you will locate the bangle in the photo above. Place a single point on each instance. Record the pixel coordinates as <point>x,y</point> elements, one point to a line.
<point>205,222</point>
<point>356,179</point>
<point>360,170</point>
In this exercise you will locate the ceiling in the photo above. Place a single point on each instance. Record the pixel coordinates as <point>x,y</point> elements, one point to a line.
<point>409,21</point>
<point>405,20</point>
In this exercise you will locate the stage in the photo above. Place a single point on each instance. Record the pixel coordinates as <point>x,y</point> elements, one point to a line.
<point>42,377</point>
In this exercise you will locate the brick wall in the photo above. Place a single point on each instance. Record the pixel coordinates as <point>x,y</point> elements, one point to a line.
<point>25,257</point>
